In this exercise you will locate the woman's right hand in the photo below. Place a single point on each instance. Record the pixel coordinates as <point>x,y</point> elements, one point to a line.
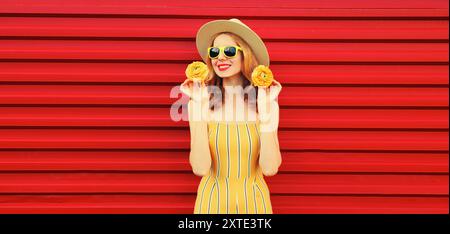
<point>198,107</point>
<point>195,90</point>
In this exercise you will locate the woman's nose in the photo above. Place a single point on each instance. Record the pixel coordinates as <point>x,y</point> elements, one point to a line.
<point>222,57</point>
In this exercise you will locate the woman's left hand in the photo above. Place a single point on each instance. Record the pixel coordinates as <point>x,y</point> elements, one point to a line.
<point>268,109</point>
<point>268,94</point>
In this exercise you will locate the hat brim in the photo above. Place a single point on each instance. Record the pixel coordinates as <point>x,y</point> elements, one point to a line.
<point>204,38</point>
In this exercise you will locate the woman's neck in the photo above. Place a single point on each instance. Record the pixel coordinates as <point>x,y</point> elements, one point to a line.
<point>235,108</point>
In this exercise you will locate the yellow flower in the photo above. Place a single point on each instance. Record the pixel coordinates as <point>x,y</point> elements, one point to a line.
<point>262,76</point>
<point>197,70</point>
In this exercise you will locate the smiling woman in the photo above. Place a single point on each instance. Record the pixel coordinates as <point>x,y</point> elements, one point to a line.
<point>228,69</point>
<point>232,154</point>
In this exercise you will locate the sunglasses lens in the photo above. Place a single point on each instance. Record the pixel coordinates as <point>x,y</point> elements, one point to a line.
<point>214,52</point>
<point>230,51</point>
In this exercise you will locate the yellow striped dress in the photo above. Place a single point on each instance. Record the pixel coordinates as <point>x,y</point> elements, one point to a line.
<point>235,183</point>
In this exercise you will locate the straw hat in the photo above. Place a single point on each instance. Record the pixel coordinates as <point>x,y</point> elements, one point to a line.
<point>204,38</point>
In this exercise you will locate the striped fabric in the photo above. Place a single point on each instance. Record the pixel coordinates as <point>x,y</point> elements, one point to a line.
<point>235,183</point>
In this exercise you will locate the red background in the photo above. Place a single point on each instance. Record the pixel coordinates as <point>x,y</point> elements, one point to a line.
<point>84,104</point>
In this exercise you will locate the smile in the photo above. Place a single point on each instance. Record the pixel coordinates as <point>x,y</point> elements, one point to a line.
<point>223,67</point>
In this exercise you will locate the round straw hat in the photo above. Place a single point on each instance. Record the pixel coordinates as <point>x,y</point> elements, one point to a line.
<point>204,38</point>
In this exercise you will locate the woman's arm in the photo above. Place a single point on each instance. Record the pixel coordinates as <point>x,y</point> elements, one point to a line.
<point>270,155</point>
<point>199,157</point>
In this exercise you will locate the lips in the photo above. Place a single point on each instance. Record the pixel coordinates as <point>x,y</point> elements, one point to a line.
<point>223,67</point>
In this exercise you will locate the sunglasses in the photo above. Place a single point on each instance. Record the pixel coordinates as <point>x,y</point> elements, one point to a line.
<point>228,51</point>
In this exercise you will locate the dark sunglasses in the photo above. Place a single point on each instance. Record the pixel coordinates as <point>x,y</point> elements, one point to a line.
<point>228,51</point>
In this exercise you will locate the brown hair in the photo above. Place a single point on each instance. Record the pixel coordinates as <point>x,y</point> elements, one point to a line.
<point>249,63</point>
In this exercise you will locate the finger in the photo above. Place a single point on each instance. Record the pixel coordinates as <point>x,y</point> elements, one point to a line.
<point>187,87</point>
<point>185,92</point>
<point>202,84</point>
<point>262,89</point>
<point>187,81</point>
<point>275,84</point>
<point>262,94</point>
<point>187,84</point>
<point>197,82</point>
<point>184,84</point>
<point>274,92</point>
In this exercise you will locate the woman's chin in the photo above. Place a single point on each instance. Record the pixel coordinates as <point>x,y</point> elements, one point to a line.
<point>224,74</point>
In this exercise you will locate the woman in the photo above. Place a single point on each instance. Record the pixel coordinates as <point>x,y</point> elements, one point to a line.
<point>232,154</point>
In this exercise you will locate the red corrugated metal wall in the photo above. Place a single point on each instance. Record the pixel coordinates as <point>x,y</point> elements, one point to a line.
<point>84,104</point>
